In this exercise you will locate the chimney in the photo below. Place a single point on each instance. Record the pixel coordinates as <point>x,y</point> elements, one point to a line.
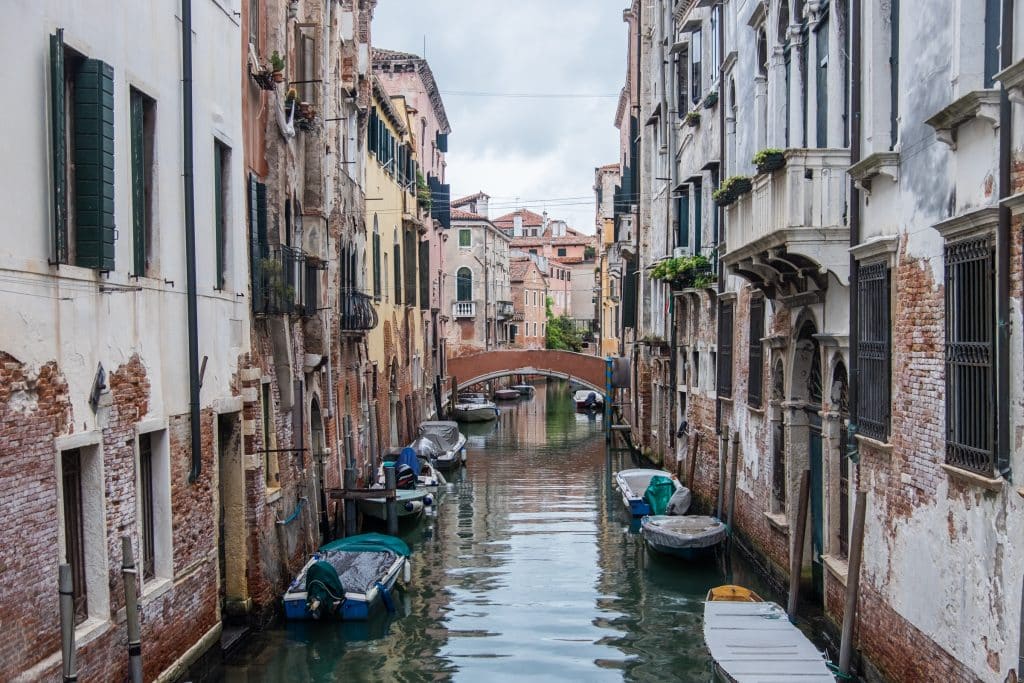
<point>481,206</point>
<point>544,224</point>
<point>517,225</point>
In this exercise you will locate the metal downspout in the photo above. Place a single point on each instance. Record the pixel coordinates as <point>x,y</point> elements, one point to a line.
<point>720,236</point>
<point>1004,448</point>
<point>855,153</point>
<point>668,98</point>
<point>190,240</point>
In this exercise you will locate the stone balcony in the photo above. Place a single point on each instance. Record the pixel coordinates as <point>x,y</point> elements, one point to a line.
<point>464,309</point>
<point>790,230</point>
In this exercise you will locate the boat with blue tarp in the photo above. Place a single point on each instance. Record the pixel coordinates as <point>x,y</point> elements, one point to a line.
<point>348,578</point>
<point>641,487</point>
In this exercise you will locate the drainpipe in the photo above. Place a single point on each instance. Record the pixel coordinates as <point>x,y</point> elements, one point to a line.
<point>720,223</point>
<point>668,99</point>
<point>855,153</point>
<point>190,241</point>
<point>1003,446</point>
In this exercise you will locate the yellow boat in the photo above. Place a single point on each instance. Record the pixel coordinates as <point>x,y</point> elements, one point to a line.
<point>732,593</point>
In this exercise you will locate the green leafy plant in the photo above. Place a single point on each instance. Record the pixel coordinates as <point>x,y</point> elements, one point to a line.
<point>588,253</point>
<point>276,61</point>
<point>711,99</point>
<point>692,118</point>
<point>731,189</point>
<point>561,331</point>
<point>769,159</point>
<point>423,192</point>
<point>684,271</point>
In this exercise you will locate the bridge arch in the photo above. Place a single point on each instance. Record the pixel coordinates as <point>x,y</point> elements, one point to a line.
<point>481,367</point>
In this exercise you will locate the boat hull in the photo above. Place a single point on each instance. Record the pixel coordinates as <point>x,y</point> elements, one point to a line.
<point>481,414</point>
<point>633,482</point>
<point>689,537</point>
<point>524,389</point>
<point>506,395</point>
<point>409,504</point>
<point>356,607</point>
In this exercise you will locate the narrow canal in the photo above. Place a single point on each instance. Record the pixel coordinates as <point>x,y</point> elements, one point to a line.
<point>528,569</point>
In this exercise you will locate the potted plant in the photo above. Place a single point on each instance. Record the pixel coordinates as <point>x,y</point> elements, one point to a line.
<point>277,66</point>
<point>731,189</point>
<point>290,99</point>
<point>769,159</point>
<point>692,118</point>
<point>711,99</point>
<point>305,119</point>
<point>683,272</point>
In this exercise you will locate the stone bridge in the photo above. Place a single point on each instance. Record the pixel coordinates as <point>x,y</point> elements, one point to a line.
<point>480,367</point>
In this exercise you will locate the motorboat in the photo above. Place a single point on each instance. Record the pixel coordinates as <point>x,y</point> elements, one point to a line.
<point>690,537</point>
<point>506,395</point>
<point>634,483</point>
<point>447,443</point>
<point>348,578</point>
<point>524,389</point>
<point>421,456</point>
<point>409,504</point>
<point>472,407</point>
<point>588,399</point>
<point>751,640</point>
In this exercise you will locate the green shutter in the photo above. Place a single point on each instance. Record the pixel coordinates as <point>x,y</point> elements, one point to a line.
<point>138,155</point>
<point>257,240</point>
<point>58,113</point>
<point>94,165</point>
<point>424,272</point>
<point>376,264</point>
<point>411,259</point>
<point>218,212</point>
<point>698,220</point>
<point>397,255</point>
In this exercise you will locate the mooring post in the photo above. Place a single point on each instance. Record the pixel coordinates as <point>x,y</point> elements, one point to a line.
<point>852,583</point>
<point>351,477</point>
<point>131,610</point>
<point>691,453</point>
<point>390,483</point>
<point>732,482</point>
<point>66,591</point>
<point>723,453</point>
<point>796,562</point>
<point>607,399</point>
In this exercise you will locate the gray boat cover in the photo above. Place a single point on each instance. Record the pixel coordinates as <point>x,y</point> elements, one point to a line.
<point>692,531</point>
<point>444,433</point>
<point>679,503</point>
<point>426,447</point>
<point>358,571</point>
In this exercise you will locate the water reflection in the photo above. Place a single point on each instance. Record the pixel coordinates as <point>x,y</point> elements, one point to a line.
<point>528,568</point>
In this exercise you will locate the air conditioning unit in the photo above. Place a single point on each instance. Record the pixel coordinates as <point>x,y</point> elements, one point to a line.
<point>680,252</point>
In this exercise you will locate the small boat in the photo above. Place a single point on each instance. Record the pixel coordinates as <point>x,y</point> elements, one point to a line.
<point>346,579</point>
<point>506,395</point>
<point>474,408</point>
<point>689,537</point>
<point>409,502</point>
<point>524,389</point>
<point>448,442</point>
<point>633,485</point>
<point>420,456</point>
<point>752,640</point>
<point>588,398</point>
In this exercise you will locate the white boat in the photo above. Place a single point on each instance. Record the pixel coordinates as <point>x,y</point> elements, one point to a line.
<point>588,398</point>
<point>633,484</point>
<point>426,452</point>
<point>449,442</point>
<point>752,641</point>
<point>471,407</point>
<point>409,504</point>
<point>347,578</point>
<point>524,389</point>
<point>506,395</point>
<point>689,537</point>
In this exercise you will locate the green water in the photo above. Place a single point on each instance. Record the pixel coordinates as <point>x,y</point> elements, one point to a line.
<point>529,570</point>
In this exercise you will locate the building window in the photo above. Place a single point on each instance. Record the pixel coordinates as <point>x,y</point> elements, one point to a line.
<point>376,258</point>
<point>682,83</point>
<point>82,130</point>
<point>873,350</point>
<point>725,320</point>
<point>464,284</point>
<point>222,204</point>
<point>993,24</point>
<point>465,238</point>
<point>561,251</point>
<point>254,24</point>
<point>74,529</point>
<point>894,72</point>
<point>821,83</point>
<point>970,326</point>
<point>778,441</point>
<point>715,50</point>
<point>695,365</point>
<point>396,255</point>
<point>154,503</point>
<point>143,127</point>
<point>695,75</point>
<point>82,533</point>
<point>148,531</point>
<point>755,357</point>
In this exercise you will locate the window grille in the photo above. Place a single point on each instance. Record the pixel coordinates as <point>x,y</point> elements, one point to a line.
<point>970,323</point>
<point>146,499</point>
<point>755,361</point>
<point>873,350</point>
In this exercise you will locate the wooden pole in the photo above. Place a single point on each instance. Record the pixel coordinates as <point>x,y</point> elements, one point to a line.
<point>131,610</point>
<point>723,454</point>
<point>797,560</point>
<point>65,587</point>
<point>732,482</point>
<point>390,483</point>
<point>852,582</point>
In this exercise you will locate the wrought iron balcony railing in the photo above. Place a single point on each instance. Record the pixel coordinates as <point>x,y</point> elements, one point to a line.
<point>357,311</point>
<point>279,281</point>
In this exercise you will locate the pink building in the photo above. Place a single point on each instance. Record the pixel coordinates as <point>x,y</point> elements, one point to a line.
<point>529,287</point>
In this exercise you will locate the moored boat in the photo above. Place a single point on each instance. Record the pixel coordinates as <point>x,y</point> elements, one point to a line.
<point>473,407</point>
<point>524,389</point>
<point>448,440</point>
<point>633,484</point>
<point>409,504</point>
<point>506,395</point>
<point>689,537</point>
<point>588,398</point>
<point>751,640</point>
<point>346,579</point>
<point>421,456</point>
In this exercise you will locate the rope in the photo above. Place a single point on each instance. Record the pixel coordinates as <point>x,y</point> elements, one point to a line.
<point>291,518</point>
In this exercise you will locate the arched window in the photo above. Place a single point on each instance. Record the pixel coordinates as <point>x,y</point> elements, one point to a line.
<point>464,285</point>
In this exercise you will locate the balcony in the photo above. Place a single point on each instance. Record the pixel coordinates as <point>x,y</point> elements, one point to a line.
<point>505,309</point>
<point>357,312</point>
<point>790,230</point>
<point>464,309</point>
<point>285,282</point>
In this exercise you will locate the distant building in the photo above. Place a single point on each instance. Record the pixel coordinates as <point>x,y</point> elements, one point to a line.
<point>529,289</point>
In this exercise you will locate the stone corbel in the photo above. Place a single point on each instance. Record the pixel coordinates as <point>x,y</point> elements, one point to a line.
<point>1012,78</point>
<point>982,104</point>
<point>879,163</point>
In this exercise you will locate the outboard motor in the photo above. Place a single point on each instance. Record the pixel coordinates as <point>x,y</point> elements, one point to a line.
<point>591,401</point>
<point>405,478</point>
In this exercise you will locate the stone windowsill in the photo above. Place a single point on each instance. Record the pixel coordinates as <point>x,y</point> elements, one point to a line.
<point>881,446</point>
<point>756,410</point>
<point>837,567</point>
<point>1012,78</point>
<point>89,630</point>
<point>974,479</point>
<point>153,589</point>
<point>879,163</point>
<point>725,399</point>
<point>982,104</point>
<point>970,224</point>
<point>777,521</point>
<point>273,494</point>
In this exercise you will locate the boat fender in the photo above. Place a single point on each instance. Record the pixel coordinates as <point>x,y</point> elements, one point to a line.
<point>385,596</point>
<point>409,506</point>
<point>406,572</point>
<point>428,501</point>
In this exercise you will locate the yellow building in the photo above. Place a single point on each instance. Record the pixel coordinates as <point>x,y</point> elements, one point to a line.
<point>395,248</point>
<point>606,179</point>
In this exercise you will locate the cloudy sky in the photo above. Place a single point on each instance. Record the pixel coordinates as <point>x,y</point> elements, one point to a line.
<point>542,151</point>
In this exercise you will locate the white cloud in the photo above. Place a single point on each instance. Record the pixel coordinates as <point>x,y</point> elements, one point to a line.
<point>535,149</point>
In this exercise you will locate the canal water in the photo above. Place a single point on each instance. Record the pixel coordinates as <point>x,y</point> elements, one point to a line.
<point>528,569</point>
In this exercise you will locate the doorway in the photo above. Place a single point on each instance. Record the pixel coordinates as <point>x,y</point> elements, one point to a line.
<point>231,543</point>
